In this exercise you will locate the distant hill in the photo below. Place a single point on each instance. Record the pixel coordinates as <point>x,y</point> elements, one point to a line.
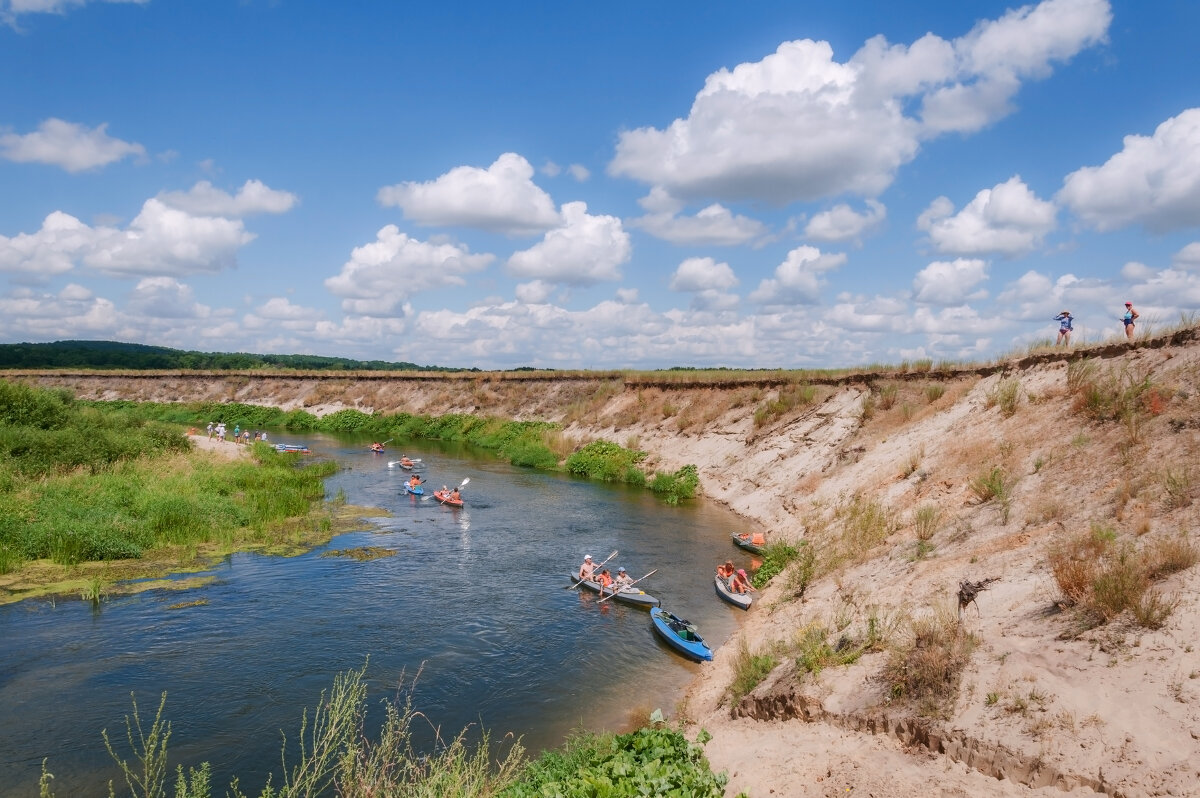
<point>118,355</point>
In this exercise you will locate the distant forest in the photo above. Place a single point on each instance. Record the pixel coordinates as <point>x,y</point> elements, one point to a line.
<point>116,355</point>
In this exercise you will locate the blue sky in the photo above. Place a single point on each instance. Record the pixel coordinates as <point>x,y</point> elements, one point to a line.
<point>771,184</point>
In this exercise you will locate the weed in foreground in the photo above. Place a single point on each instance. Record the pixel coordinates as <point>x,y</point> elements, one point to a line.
<point>749,670</point>
<point>1006,396</point>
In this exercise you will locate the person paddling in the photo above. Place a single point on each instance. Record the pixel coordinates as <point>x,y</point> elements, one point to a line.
<point>587,568</point>
<point>622,581</point>
<point>414,481</point>
<point>606,582</point>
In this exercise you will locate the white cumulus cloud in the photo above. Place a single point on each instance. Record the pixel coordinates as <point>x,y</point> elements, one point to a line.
<point>502,198</point>
<point>70,146</point>
<point>1153,181</point>
<point>207,200</point>
<point>798,280</point>
<point>381,275</point>
<point>1188,257</point>
<point>587,249</point>
<point>714,225</point>
<point>1007,219</point>
<point>843,223</point>
<point>950,282</point>
<point>159,241</point>
<point>799,125</point>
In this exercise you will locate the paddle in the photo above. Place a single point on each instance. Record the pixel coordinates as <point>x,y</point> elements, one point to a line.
<point>601,565</point>
<point>625,587</point>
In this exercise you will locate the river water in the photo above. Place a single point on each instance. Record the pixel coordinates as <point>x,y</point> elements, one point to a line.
<point>474,605</point>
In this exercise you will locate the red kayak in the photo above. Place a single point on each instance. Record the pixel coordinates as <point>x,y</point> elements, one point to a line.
<point>445,498</point>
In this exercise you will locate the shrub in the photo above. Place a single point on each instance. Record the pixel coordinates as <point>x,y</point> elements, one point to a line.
<point>1006,396</point>
<point>603,460</point>
<point>926,664</point>
<point>776,557</point>
<point>926,520</point>
<point>934,391</point>
<point>887,397</point>
<point>347,420</point>
<point>791,396</point>
<point>749,670</point>
<point>673,487</point>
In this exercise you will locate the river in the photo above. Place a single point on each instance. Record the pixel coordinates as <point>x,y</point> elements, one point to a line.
<point>474,605</point>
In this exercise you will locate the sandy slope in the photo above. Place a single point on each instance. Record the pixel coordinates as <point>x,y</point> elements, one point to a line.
<point>1041,707</point>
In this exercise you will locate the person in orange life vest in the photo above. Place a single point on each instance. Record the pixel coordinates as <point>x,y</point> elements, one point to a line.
<point>606,582</point>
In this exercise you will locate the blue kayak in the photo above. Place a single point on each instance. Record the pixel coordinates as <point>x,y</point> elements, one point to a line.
<point>680,635</point>
<point>417,491</point>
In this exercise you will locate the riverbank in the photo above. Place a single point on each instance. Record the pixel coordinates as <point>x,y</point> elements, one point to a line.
<point>905,484</point>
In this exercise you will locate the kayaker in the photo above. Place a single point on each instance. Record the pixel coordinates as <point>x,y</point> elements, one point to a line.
<point>455,496</point>
<point>587,568</point>
<point>606,582</point>
<point>414,481</point>
<point>622,581</point>
<point>741,583</point>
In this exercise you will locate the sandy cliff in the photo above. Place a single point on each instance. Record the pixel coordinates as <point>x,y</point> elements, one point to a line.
<point>1045,701</point>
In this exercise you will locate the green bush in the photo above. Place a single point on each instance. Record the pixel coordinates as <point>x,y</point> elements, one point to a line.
<point>604,460</point>
<point>680,485</point>
<point>348,420</point>
<point>776,557</point>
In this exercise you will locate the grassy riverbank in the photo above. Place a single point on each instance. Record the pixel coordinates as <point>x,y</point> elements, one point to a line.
<point>532,444</point>
<point>338,756</point>
<point>90,497</point>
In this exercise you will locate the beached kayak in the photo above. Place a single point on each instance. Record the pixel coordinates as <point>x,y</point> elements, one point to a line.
<point>635,596</point>
<point>746,541</point>
<point>444,498</point>
<point>680,635</point>
<point>291,448</point>
<point>741,600</point>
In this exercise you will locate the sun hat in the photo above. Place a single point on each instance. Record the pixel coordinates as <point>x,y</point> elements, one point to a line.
<point>587,556</point>
<point>1128,304</point>
<point>621,570</point>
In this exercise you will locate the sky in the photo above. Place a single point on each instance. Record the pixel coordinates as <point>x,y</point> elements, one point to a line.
<point>776,184</point>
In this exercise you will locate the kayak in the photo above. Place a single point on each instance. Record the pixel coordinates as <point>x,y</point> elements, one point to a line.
<point>291,448</point>
<point>680,635</point>
<point>736,599</point>
<point>415,491</point>
<point>742,540</point>
<point>407,465</point>
<point>444,498</point>
<point>634,596</point>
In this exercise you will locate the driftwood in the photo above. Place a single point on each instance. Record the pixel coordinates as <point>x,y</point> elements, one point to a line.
<point>969,591</point>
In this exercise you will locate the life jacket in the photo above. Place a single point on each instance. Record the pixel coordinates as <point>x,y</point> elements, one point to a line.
<point>605,580</point>
<point>758,539</point>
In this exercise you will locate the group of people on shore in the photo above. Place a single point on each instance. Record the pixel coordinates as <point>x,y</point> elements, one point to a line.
<point>240,436</point>
<point>1066,323</point>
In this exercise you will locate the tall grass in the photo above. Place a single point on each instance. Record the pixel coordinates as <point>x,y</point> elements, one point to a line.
<point>334,754</point>
<point>927,660</point>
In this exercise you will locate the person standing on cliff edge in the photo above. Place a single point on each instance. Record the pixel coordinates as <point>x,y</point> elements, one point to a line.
<point>1065,324</point>
<point>1129,318</point>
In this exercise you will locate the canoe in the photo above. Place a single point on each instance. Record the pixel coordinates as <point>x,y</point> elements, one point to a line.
<point>417,491</point>
<point>634,596</point>
<point>742,540</point>
<point>291,448</point>
<point>406,466</point>
<point>444,498</point>
<point>741,600</point>
<point>680,635</point>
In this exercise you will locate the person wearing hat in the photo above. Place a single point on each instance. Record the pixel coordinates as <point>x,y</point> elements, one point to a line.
<point>1065,324</point>
<point>1128,318</point>
<point>622,581</point>
<point>588,567</point>
<point>741,583</point>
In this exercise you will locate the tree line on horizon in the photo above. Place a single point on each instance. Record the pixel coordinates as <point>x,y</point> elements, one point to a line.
<point>119,355</point>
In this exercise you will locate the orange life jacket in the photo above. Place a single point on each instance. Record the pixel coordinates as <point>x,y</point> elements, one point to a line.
<point>758,539</point>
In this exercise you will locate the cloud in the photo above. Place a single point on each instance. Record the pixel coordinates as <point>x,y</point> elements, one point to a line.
<point>534,292</point>
<point>381,275</point>
<point>798,279</point>
<point>843,223</point>
<point>68,145</point>
<point>580,172</point>
<point>799,125</point>
<point>502,198</point>
<point>51,6</point>
<point>1007,219</point>
<point>714,225</point>
<point>159,241</point>
<point>1153,181</point>
<point>585,250</point>
<point>253,197</point>
<point>72,313</point>
<point>165,298</point>
<point>950,282</point>
<point>709,283</point>
<point>1188,257</point>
